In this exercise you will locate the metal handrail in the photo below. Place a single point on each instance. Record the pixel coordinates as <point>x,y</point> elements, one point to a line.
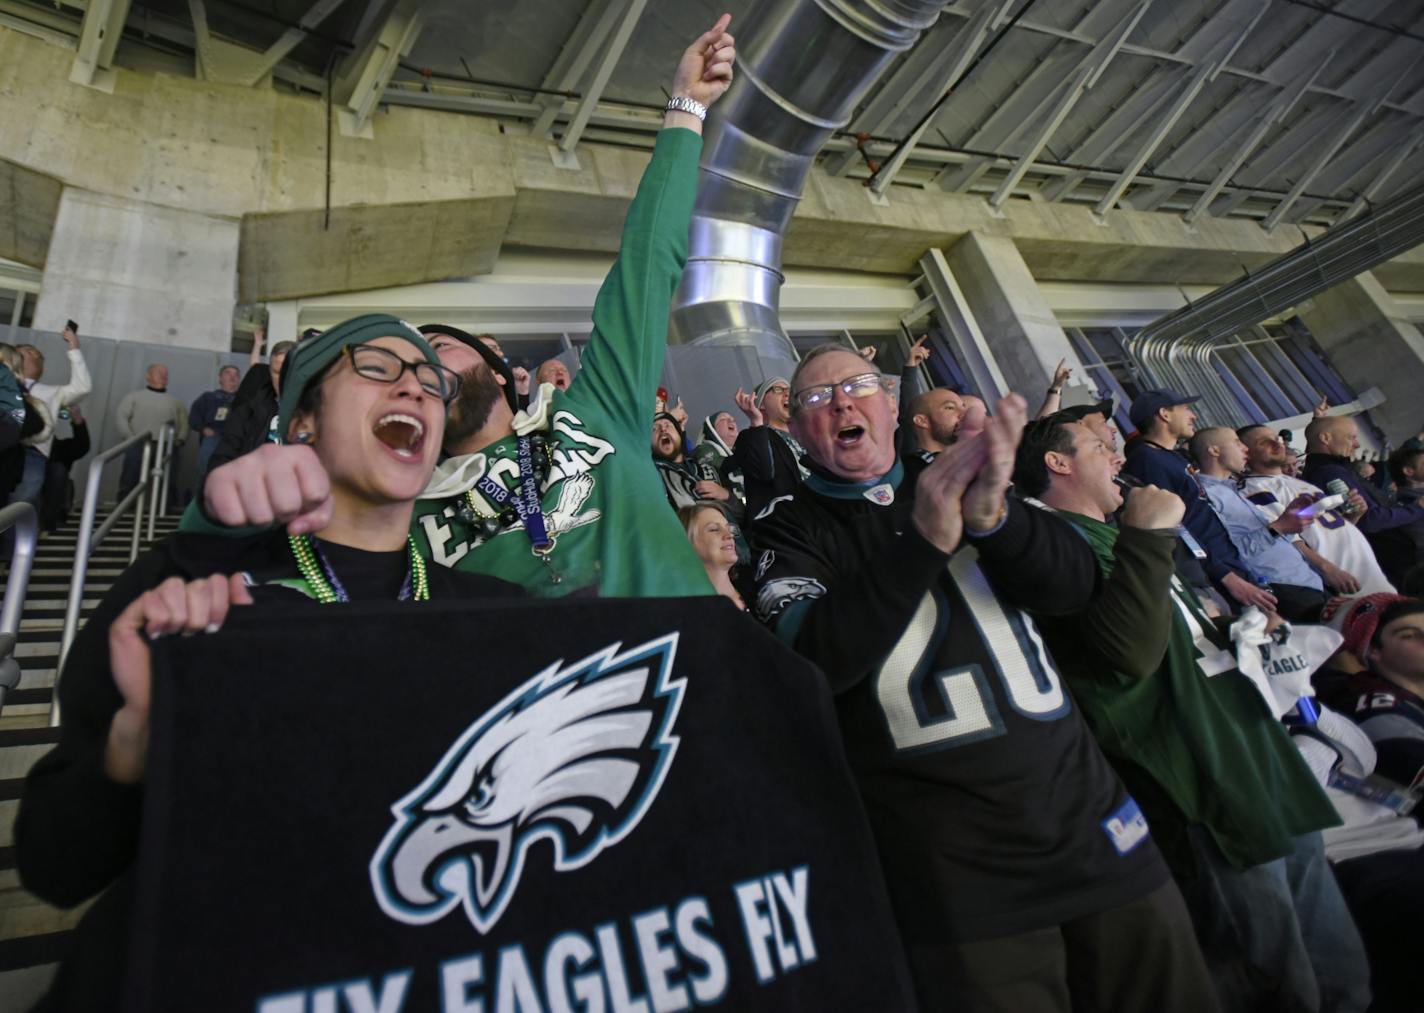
<point>21,517</point>
<point>89,537</point>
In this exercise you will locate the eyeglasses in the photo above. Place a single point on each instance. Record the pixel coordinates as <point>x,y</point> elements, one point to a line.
<point>384,366</point>
<point>860,386</point>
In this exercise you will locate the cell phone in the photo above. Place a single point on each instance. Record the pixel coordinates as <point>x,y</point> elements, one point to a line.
<point>72,326</point>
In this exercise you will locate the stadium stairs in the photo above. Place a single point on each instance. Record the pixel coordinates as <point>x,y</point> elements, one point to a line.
<point>33,934</point>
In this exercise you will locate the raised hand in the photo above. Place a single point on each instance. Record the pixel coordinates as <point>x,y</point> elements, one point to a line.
<point>1322,409</point>
<point>747,403</point>
<point>1152,509</point>
<point>175,606</point>
<point>1061,373</point>
<point>939,493</point>
<point>919,351</point>
<point>271,485</point>
<point>521,379</point>
<point>984,500</point>
<point>868,353</point>
<point>71,338</point>
<point>678,412</point>
<point>705,71</point>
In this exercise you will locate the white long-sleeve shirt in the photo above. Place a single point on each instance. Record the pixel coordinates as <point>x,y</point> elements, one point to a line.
<point>54,398</point>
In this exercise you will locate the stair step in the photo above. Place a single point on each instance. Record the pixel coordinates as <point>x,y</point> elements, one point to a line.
<point>86,606</point>
<point>30,692</point>
<point>23,914</point>
<point>24,716</point>
<point>16,761</point>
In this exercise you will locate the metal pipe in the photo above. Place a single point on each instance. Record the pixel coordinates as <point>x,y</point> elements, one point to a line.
<point>84,545</point>
<point>803,67</point>
<point>21,517</point>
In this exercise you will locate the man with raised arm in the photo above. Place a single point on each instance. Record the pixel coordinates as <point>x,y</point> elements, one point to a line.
<point>1022,873</point>
<point>1233,806</point>
<point>562,496</point>
<point>766,455</point>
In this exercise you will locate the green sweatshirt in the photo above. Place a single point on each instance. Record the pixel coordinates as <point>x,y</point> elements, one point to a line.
<point>604,504</point>
<point>1189,734</point>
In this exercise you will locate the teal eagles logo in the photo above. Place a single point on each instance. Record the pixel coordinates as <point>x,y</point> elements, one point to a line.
<point>574,756</point>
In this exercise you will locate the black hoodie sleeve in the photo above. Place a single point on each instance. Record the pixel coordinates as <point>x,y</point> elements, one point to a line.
<point>1037,562</point>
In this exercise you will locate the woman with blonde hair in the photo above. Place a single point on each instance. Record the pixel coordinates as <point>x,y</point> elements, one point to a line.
<point>714,538</point>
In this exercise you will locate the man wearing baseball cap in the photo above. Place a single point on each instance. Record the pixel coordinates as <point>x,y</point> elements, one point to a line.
<point>1163,418</point>
<point>1096,415</point>
<point>766,453</point>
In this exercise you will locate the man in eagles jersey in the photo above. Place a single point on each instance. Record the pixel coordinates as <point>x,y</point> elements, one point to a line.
<point>601,504</point>
<point>1234,807</point>
<point>1022,873</point>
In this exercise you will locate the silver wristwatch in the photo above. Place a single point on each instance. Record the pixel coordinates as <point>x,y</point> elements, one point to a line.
<point>683,104</point>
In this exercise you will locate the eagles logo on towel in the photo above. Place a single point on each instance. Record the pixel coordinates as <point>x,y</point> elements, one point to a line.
<point>576,756</point>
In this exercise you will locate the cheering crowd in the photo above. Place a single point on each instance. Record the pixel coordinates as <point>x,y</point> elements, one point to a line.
<point>1080,798</point>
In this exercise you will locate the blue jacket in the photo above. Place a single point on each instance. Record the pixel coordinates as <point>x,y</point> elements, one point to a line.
<point>1321,468</point>
<point>1168,469</point>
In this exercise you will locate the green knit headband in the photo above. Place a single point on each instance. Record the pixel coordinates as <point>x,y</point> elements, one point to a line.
<point>309,359</point>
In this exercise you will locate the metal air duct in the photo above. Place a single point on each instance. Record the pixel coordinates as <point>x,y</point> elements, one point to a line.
<point>802,68</point>
<point>1176,350</point>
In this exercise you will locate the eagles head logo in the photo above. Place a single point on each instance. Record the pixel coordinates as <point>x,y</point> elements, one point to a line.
<point>574,756</point>
<point>776,594</point>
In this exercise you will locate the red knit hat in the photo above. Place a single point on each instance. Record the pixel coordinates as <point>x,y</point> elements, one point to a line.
<point>1363,619</point>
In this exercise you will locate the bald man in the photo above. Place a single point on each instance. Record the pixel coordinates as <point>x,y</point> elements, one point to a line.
<point>1267,547</point>
<point>1395,532</point>
<point>934,419</point>
<point>555,372</point>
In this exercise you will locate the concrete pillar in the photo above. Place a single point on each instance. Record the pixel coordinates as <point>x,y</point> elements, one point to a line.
<point>139,272</point>
<point>1371,344</point>
<point>1018,325</point>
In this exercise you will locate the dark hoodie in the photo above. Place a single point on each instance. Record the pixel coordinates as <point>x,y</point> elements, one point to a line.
<point>680,478</point>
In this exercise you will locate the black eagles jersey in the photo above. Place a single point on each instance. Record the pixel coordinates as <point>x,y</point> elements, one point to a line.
<point>994,810</point>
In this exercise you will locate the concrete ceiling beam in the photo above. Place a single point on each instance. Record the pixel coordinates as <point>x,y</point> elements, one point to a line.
<point>98,39</point>
<point>362,78</point>
<point>608,56</point>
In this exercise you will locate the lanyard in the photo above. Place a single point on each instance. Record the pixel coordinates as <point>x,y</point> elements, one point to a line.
<point>526,504</point>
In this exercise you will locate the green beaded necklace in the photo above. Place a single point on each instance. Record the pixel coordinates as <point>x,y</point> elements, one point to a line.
<point>327,588</point>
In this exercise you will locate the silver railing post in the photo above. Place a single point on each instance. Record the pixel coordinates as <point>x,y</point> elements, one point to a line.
<point>159,462</point>
<point>138,507</point>
<point>21,517</point>
<point>90,537</point>
<point>168,463</point>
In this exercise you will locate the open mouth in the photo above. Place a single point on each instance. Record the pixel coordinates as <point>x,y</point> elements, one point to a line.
<point>850,435</point>
<point>404,434</point>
